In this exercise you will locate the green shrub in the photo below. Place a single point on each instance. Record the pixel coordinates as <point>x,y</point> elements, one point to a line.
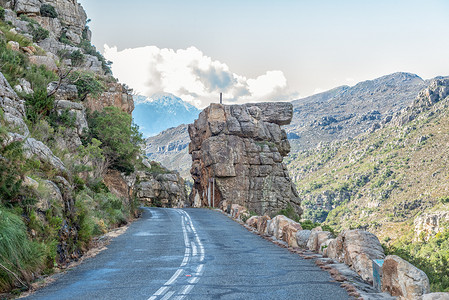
<point>289,212</point>
<point>444,200</point>
<point>10,171</point>
<point>77,58</point>
<point>2,13</point>
<point>38,105</point>
<point>309,225</point>
<point>64,39</point>
<point>120,139</point>
<point>36,29</point>
<point>17,253</point>
<point>39,76</point>
<point>87,84</point>
<point>12,63</point>
<point>49,11</point>
<point>65,118</point>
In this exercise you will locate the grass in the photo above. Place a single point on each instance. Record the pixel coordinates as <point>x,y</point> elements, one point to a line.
<point>18,254</point>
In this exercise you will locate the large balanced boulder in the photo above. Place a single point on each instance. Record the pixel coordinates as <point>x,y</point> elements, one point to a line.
<point>237,153</point>
<point>400,278</point>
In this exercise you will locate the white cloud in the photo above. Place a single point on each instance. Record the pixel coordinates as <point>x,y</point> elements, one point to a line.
<point>192,76</point>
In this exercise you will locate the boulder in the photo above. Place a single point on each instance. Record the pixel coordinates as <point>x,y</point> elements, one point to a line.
<point>237,211</point>
<point>16,124</point>
<point>289,233</point>
<point>401,279</point>
<point>252,222</point>
<point>14,46</point>
<point>116,95</point>
<point>277,224</point>
<point>317,238</point>
<point>27,6</point>
<point>436,296</point>
<point>334,249</point>
<point>49,192</point>
<point>46,61</point>
<point>37,149</point>
<point>65,91</point>
<point>302,237</point>
<point>357,248</point>
<point>30,182</point>
<point>75,109</point>
<point>163,190</point>
<point>325,247</point>
<point>262,224</point>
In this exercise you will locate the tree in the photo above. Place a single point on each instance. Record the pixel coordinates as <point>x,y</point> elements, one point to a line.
<point>120,139</point>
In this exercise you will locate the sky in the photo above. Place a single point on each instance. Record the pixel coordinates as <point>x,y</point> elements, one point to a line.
<point>260,50</point>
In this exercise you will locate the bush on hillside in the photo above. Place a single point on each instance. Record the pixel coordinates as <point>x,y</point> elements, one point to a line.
<point>2,13</point>
<point>49,11</point>
<point>87,84</point>
<point>38,105</point>
<point>120,139</point>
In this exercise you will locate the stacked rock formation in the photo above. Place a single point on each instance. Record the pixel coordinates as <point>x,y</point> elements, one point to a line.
<point>161,190</point>
<point>237,153</point>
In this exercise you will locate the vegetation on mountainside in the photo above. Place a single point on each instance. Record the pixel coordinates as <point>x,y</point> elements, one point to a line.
<point>48,10</point>
<point>120,139</point>
<point>380,182</point>
<point>37,229</point>
<point>431,256</point>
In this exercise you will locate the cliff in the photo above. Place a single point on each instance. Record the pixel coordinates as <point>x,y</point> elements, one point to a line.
<point>70,161</point>
<point>237,153</point>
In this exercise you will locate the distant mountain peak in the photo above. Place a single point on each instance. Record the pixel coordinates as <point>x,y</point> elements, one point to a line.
<point>161,111</point>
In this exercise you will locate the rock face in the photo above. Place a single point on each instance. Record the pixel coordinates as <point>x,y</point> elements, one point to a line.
<point>116,95</point>
<point>241,147</point>
<point>171,149</point>
<point>437,90</point>
<point>162,190</point>
<point>402,279</point>
<point>71,16</point>
<point>429,224</point>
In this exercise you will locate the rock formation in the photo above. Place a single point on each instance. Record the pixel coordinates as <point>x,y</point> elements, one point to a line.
<point>162,190</point>
<point>429,224</point>
<point>237,153</point>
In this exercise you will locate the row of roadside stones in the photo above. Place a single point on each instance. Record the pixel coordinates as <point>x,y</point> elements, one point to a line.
<point>354,257</point>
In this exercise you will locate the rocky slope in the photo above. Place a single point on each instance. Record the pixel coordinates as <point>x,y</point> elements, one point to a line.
<point>391,181</point>
<point>237,153</point>
<point>171,148</point>
<point>70,162</point>
<point>346,112</point>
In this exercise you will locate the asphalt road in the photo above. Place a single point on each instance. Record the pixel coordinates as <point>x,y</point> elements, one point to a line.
<point>192,254</point>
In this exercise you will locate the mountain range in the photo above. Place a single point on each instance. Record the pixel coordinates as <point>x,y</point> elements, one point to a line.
<point>162,111</point>
<point>338,114</point>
